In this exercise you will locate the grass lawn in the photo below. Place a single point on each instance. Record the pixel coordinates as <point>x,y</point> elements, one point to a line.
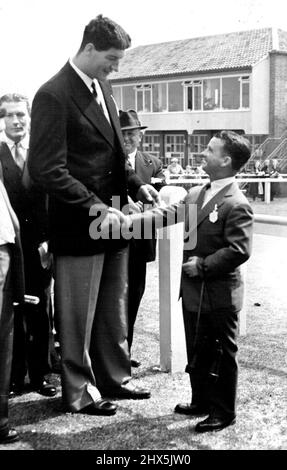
<point>151,424</point>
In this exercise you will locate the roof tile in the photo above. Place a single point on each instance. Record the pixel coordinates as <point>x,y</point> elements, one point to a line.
<point>209,53</point>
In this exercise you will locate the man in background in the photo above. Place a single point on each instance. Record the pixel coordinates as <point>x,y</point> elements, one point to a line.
<point>11,289</point>
<point>32,324</point>
<point>149,169</point>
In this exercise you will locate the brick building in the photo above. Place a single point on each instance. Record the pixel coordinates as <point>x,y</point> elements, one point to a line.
<point>186,90</point>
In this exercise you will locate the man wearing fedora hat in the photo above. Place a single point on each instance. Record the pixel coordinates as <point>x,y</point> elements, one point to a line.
<point>149,169</point>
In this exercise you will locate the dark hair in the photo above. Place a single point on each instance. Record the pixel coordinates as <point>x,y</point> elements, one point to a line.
<point>236,146</point>
<point>15,98</point>
<point>2,113</point>
<point>104,34</point>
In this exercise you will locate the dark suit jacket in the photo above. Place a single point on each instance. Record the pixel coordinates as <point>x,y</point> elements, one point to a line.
<point>224,245</point>
<point>148,166</point>
<point>78,158</point>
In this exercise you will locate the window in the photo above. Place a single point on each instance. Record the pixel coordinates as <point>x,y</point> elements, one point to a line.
<point>159,98</point>
<point>211,94</point>
<point>117,96</point>
<point>194,95</point>
<point>143,98</point>
<point>128,98</point>
<point>151,144</point>
<point>231,93</point>
<point>175,96</point>
<point>245,91</point>
<point>198,142</point>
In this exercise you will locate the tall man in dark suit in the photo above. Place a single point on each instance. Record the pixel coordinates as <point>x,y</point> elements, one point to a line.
<point>211,285</point>
<point>149,169</point>
<point>32,327</point>
<point>77,155</point>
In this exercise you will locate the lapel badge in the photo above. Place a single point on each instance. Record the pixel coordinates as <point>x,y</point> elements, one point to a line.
<point>213,216</point>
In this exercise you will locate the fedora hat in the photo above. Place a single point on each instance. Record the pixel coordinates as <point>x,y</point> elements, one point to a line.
<point>129,120</point>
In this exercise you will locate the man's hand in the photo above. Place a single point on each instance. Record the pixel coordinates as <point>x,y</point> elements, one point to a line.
<point>112,221</point>
<point>193,266</point>
<point>135,207</point>
<point>147,194</point>
<point>46,258</point>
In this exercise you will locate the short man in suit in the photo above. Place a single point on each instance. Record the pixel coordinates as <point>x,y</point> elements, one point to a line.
<point>32,323</point>
<point>77,155</point>
<point>11,289</point>
<point>149,169</point>
<point>211,285</point>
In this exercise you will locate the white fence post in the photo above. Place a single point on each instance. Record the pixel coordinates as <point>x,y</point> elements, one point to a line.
<point>170,249</point>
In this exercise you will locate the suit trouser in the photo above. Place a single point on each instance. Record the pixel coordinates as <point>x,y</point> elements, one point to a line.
<point>91,303</point>
<point>6,335</point>
<point>219,395</point>
<point>32,323</point>
<point>137,280</point>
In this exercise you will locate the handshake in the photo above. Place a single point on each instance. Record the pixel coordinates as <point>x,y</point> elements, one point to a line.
<point>117,221</point>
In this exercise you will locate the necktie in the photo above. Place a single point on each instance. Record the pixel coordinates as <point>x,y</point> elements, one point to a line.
<point>19,156</point>
<point>95,95</point>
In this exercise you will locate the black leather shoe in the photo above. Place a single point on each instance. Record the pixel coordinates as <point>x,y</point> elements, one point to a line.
<point>131,392</point>
<point>190,409</point>
<point>135,363</point>
<point>213,423</point>
<point>11,436</point>
<point>100,408</point>
<point>45,388</point>
<point>16,389</point>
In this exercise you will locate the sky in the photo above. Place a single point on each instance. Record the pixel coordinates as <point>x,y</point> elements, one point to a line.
<point>38,36</point>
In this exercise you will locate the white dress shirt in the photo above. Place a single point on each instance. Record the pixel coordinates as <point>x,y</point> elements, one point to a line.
<point>7,232</point>
<point>215,187</point>
<point>88,82</point>
<point>23,146</point>
<point>132,159</point>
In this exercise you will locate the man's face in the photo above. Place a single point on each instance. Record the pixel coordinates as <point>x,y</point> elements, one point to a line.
<point>213,157</point>
<point>132,139</point>
<point>17,120</point>
<point>102,63</point>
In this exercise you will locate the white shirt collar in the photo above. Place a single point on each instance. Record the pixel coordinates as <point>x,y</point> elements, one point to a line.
<point>86,79</point>
<point>219,184</point>
<point>24,143</point>
<point>132,158</point>
<point>215,187</point>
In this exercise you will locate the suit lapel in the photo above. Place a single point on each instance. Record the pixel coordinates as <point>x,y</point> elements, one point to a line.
<point>217,199</point>
<point>203,213</point>
<point>142,163</point>
<point>84,100</point>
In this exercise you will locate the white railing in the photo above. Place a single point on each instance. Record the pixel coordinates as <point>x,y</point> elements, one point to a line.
<point>175,180</point>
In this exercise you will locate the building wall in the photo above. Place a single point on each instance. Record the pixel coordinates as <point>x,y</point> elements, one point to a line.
<point>259,97</point>
<point>191,121</point>
<point>278,94</point>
